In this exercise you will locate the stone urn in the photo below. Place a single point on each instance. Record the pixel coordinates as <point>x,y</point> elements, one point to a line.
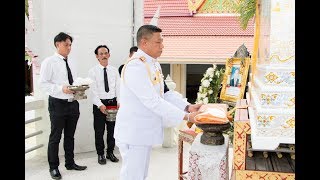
<point>212,133</point>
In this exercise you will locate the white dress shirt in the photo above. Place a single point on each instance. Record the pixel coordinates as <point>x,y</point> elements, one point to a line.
<point>54,75</point>
<point>97,87</point>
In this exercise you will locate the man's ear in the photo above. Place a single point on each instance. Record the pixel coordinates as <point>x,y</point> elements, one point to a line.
<point>97,57</point>
<point>143,42</point>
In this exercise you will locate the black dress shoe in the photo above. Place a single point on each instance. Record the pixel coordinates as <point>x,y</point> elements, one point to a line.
<point>76,167</point>
<point>55,174</point>
<point>102,159</point>
<point>112,157</point>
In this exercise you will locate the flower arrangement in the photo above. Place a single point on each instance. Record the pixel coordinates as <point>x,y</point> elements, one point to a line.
<point>209,91</point>
<point>210,85</point>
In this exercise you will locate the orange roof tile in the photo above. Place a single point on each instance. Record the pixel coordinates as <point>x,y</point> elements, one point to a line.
<point>208,47</point>
<point>203,26</point>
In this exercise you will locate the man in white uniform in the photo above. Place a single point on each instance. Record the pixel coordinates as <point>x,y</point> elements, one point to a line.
<point>145,109</point>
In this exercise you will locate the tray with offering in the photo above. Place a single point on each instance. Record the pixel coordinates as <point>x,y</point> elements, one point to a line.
<point>213,121</point>
<point>79,91</point>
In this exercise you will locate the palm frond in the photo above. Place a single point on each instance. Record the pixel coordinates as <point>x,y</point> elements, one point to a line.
<point>246,9</point>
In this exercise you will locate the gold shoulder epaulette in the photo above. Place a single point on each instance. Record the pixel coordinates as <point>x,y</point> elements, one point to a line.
<point>142,58</point>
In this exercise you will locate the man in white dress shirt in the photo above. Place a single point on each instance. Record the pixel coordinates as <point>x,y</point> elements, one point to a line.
<point>104,91</point>
<point>55,77</point>
<point>145,109</point>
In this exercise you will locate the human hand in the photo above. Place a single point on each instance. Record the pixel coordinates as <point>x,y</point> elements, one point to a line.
<point>103,109</point>
<point>191,116</point>
<point>194,107</point>
<point>66,90</point>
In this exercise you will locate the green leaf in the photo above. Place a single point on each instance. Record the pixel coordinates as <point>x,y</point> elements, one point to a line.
<point>246,9</point>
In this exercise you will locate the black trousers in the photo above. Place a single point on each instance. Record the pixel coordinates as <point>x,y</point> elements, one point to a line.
<point>64,117</point>
<point>99,123</point>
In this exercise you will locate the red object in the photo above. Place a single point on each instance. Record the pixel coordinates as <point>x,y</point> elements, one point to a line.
<point>111,107</point>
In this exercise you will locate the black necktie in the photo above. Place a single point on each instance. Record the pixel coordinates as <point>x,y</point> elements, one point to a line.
<point>69,72</point>
<point>106,84</point>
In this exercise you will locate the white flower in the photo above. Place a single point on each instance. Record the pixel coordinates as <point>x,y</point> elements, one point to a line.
<point>205,83</point>
<point>210,70</point>
<point>203,95</point>
<point>205,100</point>
<point>217,74</point>
<point>210,91</point>
<point>199,102</point>
<point>210,79</point>
<point>200,88</point>
<point>214,67</point>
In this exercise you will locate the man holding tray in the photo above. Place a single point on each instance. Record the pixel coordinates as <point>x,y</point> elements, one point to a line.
<point>104,91</point>
<point>55,77</point>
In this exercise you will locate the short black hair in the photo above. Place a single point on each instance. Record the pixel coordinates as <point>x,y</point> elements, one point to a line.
<point>62,37</point>
<point>101,46</point>
<point>133,49</point>
<point>146,31</point>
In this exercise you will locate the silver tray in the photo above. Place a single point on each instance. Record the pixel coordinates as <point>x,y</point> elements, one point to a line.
<point>79,88</point>
<point>111,114</point>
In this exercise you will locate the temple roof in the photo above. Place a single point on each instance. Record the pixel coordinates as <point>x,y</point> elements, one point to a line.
<point>203,47</point>
<point>203,26</point>
<point>202,37</point>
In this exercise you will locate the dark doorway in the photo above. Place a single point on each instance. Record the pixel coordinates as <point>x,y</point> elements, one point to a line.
<point>195,73</point>
<point>165,70</point>
<point>28,79</point>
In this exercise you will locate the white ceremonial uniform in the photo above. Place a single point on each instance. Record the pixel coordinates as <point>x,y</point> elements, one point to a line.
<point>143,114</point>
<point>97,87</point>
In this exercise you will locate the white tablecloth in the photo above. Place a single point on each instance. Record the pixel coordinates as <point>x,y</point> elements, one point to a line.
<point>207,162</point>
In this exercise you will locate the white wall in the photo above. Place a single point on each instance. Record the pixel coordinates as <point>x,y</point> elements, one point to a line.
<point>90,23</point>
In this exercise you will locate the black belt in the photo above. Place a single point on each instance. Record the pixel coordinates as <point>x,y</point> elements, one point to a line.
<point>109,101</point>
<point>64,100</point>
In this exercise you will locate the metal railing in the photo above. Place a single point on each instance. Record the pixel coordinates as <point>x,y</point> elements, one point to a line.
<point>29,106</point>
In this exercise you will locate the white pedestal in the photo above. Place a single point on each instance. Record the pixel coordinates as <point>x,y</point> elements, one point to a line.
<point>207,161</point>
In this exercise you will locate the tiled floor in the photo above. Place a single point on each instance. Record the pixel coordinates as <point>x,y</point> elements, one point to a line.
<point>163,166</point>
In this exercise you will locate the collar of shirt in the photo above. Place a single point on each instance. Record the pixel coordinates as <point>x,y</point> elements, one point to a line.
<point>59,55</point>
<point>100,66</point>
